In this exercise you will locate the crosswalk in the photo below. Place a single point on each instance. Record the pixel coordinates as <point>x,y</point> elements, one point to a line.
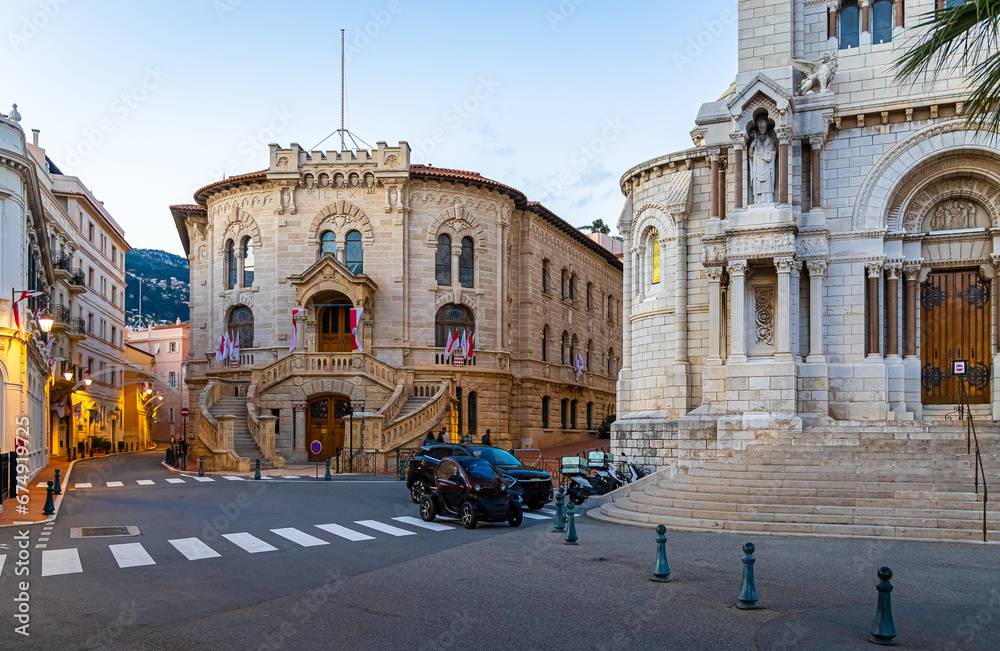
<point>56,562</point>
<point>182,479</point>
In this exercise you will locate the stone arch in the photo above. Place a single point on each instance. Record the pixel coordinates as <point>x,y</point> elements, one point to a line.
<point>462,298</point>
<point>341,217</point>
<point>871,210</point>
<point>315,388</point>
<point>238,224</point>
<point>656,217</point>
<point>958,175</point>
<point>458,221</point>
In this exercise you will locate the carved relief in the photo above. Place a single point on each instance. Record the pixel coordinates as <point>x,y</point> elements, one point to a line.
<point>953,215</point>
<point>811,246</point>
<point>763,300</point>
<point>761,246</point>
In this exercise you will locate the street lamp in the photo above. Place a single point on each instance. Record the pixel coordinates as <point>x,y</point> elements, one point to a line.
<point>45,322</point>
<point>86,377</point>
<point>68,376</point>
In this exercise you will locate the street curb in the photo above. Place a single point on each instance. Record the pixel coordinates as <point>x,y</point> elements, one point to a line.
<point>250,475</point>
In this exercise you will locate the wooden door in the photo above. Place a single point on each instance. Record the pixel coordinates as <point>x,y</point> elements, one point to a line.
<point>325,424</point>
<point>335,329</point>
<point>955,326</point>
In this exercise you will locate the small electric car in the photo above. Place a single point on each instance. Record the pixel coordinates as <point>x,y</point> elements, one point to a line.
<point>471,490</point>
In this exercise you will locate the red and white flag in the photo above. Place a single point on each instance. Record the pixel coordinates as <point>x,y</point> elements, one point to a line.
<point>449,343</point>
<point>234,347</point>
<point>356,329</point>
<point>220,350</point>
<point>295,328</point>
<point>472,346</point>
<point>465,343</point>
<point>454,341</point>
<point>578,365</point>
<point>17,309</point>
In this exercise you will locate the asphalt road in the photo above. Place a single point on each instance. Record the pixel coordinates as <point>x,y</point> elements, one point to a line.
<point>490,588</point>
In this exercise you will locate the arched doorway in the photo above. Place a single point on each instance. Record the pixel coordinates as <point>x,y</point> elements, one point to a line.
<point>333,323</point>
<point>325,423</point>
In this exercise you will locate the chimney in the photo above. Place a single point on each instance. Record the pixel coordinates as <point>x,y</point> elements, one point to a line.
<point>34,137</point>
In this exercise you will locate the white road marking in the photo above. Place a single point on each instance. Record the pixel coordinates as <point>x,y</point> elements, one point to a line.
<point>535,516</point>
<point>175,480</point>
<point>549,511</point>
<point>131,555</point>
<point>114,484</point>
<point>250,543</point>
<point>3,559</point>
<point>145,482</point>
<point>289,476</point>
<point>201,478</point>
<point>194,549</point>
<point>300,537</point>
<point>83,485</point>
<point>384,528</point>
<point>43,484</point>
<point>266,477</point>
<point>417,522</point>
<point>60,561</point>
<point>232,478</point>
<point>344,532</point>
<point>41,546</point>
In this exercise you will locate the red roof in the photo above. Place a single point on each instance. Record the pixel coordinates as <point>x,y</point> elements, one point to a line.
<point>202,195</point>
<point>188,206</point>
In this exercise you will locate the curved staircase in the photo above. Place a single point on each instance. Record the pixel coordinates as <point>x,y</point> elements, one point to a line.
<point>243,442</point>
<point>914,482</point>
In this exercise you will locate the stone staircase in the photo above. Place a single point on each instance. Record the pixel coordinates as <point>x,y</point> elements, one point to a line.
<point>912,482</point>
<point>243,442</point>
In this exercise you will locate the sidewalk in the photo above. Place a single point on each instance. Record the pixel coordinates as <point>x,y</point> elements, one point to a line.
<point>11,514</point>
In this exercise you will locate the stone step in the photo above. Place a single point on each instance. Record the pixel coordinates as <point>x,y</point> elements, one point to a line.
<point>799,486</point>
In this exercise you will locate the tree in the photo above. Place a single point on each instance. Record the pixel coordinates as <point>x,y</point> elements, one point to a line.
<point>962,36</point>
<point>598,226</point>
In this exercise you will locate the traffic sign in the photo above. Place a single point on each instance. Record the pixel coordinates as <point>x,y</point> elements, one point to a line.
<point>185,412</point>
<point>316,447</point>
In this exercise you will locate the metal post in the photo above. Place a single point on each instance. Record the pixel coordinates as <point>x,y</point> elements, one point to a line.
<point>256,471</point>
<point>661,570</point>
<point>883,630</point>
<point>328,477</point>
<point>49,508</point>
<point>747,597</point>
<point>201,466</point>
<point>350,454</point>
<point>571,537</point>
<point>560,521</point>
<point>58,484</point>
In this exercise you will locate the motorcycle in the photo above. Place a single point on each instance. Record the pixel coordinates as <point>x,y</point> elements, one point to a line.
<point>605,477</point>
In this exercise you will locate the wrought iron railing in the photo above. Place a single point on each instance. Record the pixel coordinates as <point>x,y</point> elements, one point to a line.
<point>970,439</point>
<point>63,262</point>
<point>403,456</point>
<point>60,313</point>
<point>77,277</point>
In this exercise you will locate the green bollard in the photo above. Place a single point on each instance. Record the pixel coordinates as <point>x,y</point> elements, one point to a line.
<point>201,466</point>
<point>747,597</point>
<point>58,484</point>
<point>256,471</point>
<point>560,521</point>
<point>50,508</point>
<point>571,536</point>
<point>661,570</point>
<point>327,477</point>
<point>883,630</point>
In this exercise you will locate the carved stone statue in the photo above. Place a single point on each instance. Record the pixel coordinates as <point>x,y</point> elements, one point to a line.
<point>954,215</point>
<point>820,73</point>
<point>763,150</point>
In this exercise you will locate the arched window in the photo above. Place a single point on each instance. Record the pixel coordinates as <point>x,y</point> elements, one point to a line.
<point>231,269</point>
<point>572,350</point>
<point>564,284</point>
<point>590,415</point>
<point>656,261</point>
<point>611,309</point>
<point>611,362</point>
<point>328,243</point>
<point>545,412</point>
<point>248,263</point>
<point>467,263</point>
<point>590,350</point>
<point>545,343</point>
<point>455,319</point>
<point>850,25</point>
<point>564,412</point>
<point>240,323</point>
<point>546,281</point>
<point>442,260</point>
<point>564,347</point>
<point>572,415</point>
<point>590,296</point>
<point>473,408</point>
<point>572,287</point>
<point>354,254</point>
<point>881,22</point>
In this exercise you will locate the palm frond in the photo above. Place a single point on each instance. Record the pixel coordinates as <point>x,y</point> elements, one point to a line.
<point>962,38</point>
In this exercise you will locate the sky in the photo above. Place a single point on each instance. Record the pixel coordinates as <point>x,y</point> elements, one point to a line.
<point>148,101</point>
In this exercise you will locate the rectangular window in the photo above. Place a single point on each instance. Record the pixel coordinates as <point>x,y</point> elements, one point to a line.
<point>90,277</point>
<point>172,378</point>
<point>656,261</point>
<point>546,282</point>
<point>90,233</point>
<point>114,254</point>
<point>545,412</point>
<point>114,336</point>
<point>173,346</point>
<point>114,296</point>
<point>90,322</point>
<point>156,349</point>
<point>171,414</point>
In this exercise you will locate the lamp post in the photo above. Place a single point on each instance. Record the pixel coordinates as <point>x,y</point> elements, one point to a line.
<point>45,322</point>
<point>356,405</point>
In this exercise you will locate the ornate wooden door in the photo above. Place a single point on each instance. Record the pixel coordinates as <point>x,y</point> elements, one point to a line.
<point>955,326</point>
<point>335,329</point>
<point>325,423</point>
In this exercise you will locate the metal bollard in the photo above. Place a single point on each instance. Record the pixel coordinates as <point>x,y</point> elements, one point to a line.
<point>201,466</point>
<point>747,597</point>
<point>661,570</point>
<point>571,536</point>
<point>327,477</point>
<point>50,508</point>
<point>256,471</point>
<point>58,484</point>
<point>883,630</point>
<point>560,521</point>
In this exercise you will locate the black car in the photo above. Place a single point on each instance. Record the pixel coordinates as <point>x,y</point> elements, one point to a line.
<point>470,489</point>
<point>604,429</point>
<point>535,485</point>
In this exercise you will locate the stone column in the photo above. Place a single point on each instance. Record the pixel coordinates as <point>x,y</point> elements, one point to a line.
<point>680,293</point>
<point>874,270</point>
<point>342,252</point>
<point>723,194</point>
<point>713,155</point>
<point>784,140</point>
<point>456,251</point>
<point>912,274</point>
<point>831,25</point>
<point>299,433</point>
<point>783,309</point>
<point>897,10</point>
<point>739,140</point>
<point>715,325</point>
<point>815,174</point>
<point>640,265</point>
<point>626,309</point>
<point>891,310</point>
<point>664,260</point>
<point>737,274</point>
<point>865,14</point>
<point>817,270</point>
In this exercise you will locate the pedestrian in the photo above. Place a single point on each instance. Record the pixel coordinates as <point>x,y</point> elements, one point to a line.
<point>487,439</point>
<point>428,439</point>
<point>441,437</point>
<point>467,438</point>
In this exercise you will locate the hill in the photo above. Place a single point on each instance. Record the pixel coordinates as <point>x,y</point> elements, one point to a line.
<point>165,287</point>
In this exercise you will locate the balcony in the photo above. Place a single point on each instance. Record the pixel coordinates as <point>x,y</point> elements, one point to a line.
<point>77,280</point>
<point>59,376</point>
<point>76,328</point>
<point>61,317</point>
<point>63,266</point>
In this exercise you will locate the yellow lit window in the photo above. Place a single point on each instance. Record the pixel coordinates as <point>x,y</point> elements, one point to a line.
<point>656,261</point>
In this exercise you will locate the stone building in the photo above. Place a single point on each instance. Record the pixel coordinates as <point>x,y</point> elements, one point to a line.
<point>424,252</point>
<point>814,268</point>
<point>169,346</point>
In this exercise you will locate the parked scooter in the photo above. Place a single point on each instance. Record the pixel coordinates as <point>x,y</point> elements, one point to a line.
<point>603,478</point>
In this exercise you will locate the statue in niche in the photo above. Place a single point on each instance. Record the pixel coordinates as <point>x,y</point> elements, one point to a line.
<point>954,215</point>
<point>763,152</point>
